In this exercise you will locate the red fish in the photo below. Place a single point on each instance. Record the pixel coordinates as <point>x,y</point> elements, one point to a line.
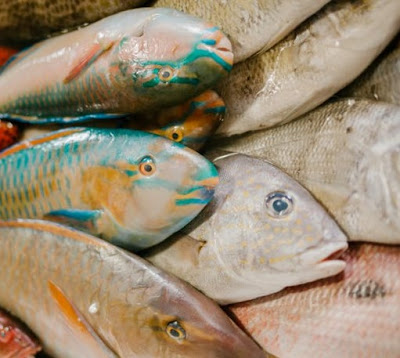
<point>6,53</point>
<point>8,134</point>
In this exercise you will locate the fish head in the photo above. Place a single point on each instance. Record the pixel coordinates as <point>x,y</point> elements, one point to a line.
<point>176,57</point>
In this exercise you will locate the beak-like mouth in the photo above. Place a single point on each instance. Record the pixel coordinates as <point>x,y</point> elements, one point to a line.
<point>210,183</point>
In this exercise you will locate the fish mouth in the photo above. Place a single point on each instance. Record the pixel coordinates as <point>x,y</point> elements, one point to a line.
<point>322,255</point>
<point>200,194</point>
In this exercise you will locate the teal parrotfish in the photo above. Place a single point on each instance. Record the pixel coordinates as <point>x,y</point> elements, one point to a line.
<point>132,188</point>
<point>129,62</point>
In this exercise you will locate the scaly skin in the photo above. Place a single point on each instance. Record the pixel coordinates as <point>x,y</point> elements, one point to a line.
<point>144,187</point>
<point>128,303</point>
<point>136,60</point>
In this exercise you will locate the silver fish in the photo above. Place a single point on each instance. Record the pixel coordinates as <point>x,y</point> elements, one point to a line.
<point>318,59</point>
<point>261,233</point>
<point>347,153</point>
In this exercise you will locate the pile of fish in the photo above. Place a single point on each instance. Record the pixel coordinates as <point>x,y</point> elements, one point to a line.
<point>161,159</point>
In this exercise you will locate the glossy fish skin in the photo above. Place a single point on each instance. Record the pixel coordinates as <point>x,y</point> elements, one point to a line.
<point>27,20</point>
<point>137,60</point>
<point>354,314</point>
<point>347,154</point>
<point>9,134</point>
<point>127,303</point>
<point>130,187</point>
<point>15,340</point>
<point>251,25</point>
<point>310,65</point>
<point>237,249</point>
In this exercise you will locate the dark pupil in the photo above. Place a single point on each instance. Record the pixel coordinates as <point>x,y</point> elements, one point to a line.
<point>166,74</point>
<point>174,333</point>
<point>148,168</point>
<point>175,135</point>
<point>280,205</point>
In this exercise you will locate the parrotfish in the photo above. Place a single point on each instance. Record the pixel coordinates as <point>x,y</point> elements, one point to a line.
<point>134,61</point>
<point>27,20</point>
<point>16,341</point>
<point>310,65</point>
<point>9,133</point>
<point>84,297</point>
<point>354,314</point>
<point>261,233</point>
<point>252,25</point>
<point>347,154</point>
<point>130,187</point>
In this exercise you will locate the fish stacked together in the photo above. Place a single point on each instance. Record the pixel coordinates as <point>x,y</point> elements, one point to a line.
<point>146,84</point>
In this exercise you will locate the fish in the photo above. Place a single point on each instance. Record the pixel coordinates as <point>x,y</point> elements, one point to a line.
<point>84,297</point>
<point>6,53</point>
<point>252,26</point>
<point>33,20</point>
<point>346,153</point>
<point>137,60</point>
<point>353,314</point>
<point>381,80</point>
<point>16,341</point>
<point>261,233</point>
<point>9,134</point>
<point>310,65</point>
<point>132,188</point>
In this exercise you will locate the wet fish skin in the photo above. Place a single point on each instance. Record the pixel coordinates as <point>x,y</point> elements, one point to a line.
<point>236,249</point>
<point>354,314</point>
<point>310,65</point>
<point>347,161</point>
<point>124,302</point>
<point>9,134</point>
<point>130,187</point>
<point>251,25</point>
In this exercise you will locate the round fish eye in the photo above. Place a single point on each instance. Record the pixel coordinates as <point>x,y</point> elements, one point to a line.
<point>175,134</point>
<point>166,73</point>
<point>147,166</point>
<point>175,330</point>
<point>279,204</point>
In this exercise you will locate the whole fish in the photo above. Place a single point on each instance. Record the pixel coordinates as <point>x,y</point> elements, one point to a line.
<point>15,340</point>
<point>354,314</point>
<point>347,153</point>
<point>133,61</point>
<point>130,187</point>
<point>261,233</point>
<point>9,134</point>
<point>5,54</point>
<point>381,80</point>
<point>86,298</point>
<point>315,61</point>
<point>252,25</point>
<point>27,20</point>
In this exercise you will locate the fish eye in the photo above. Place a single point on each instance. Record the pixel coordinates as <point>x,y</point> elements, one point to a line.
<point>147,166</point>
<point>175,134</point>
<point>175,330</point>
<point>166,73</point>
<point>279,204</point>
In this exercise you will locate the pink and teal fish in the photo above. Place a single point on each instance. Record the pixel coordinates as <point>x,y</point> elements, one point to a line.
<point>130,187</point>
<point>133,61</point>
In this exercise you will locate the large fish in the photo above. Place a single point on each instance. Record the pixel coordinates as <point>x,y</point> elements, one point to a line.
<point>347,153</point>
<point>354,314</point>
<point>381,81</point>
<point>130,187</point>
<point>133,61</point>
<point>252,25</point>
<point>86,298</point>
<point>261,233</point>
<point>309,66</point>
<point>26,20</point>
<point>16,341</point>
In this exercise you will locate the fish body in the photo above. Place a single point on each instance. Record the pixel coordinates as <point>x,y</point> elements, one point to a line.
<point>86,298</point>
<point>245,243</point>
<point>251,25</point>
<point>347,154</point>
<point>130,187</point>
<point>315,61</point>
<point>9,134</point>
<point>15,340</point>
<point>354,314</point>
<point>6,53</point>
<point>126,63</point>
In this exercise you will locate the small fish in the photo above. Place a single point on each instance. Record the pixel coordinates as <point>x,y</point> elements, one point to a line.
<point>261,233</point>
<point>381,80</point>
<point>252,26</point>
<point>130,187</point>
<point>347,154</point>
<point>354,314</point>
<point>137,60</point>
<point>9,134</point>
<point>6,53</point>
<point>16,341</point>
<point>84,297</point>
<point>310,65</point>
<point>28,20</point>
